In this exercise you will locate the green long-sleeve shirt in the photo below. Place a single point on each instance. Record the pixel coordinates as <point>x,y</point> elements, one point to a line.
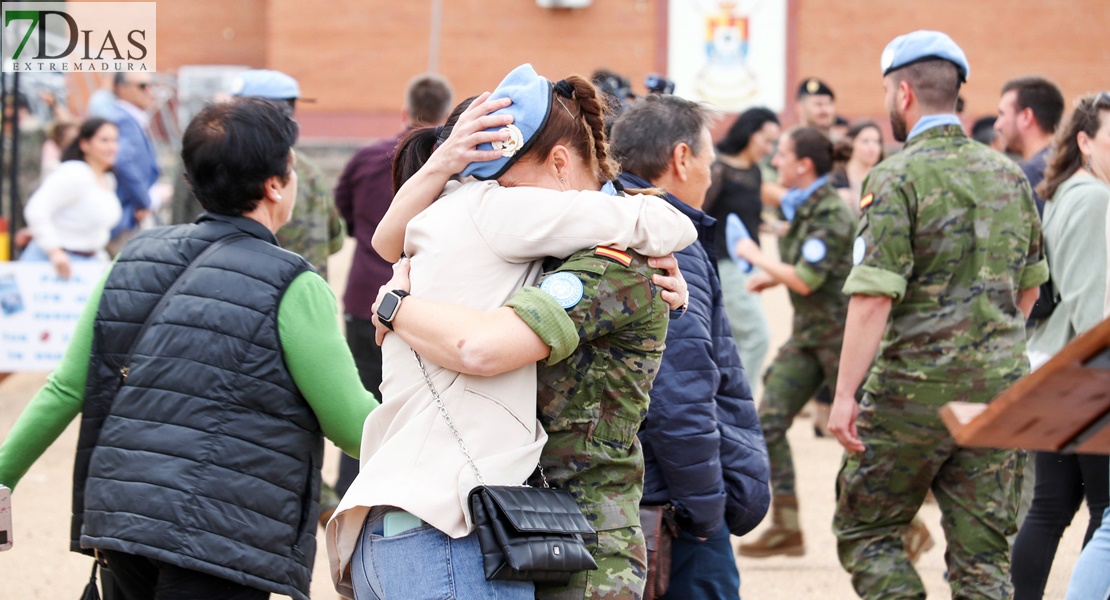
<point>314,351</point>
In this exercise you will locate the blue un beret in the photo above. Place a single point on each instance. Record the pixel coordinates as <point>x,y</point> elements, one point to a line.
<point>263,83</point>
<point>911,48</point>
<point>531,95</point>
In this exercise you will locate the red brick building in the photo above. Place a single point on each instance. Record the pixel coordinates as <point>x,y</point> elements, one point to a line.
<point>355,56</point>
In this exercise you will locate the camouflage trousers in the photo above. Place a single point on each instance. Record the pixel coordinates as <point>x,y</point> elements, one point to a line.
<point>879,491</point>
<point>795,375</point>
<point>621,557</point>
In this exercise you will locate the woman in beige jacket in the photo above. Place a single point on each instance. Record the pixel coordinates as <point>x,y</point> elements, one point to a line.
<point>477,245</point>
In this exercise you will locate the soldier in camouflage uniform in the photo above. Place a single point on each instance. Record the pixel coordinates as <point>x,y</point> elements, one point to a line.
<point>315,230</point>
<point>592,403</point>
<point>816,253</point>
<point>949,248</point>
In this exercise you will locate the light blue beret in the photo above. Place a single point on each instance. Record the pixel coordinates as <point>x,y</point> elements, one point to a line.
<point>263,83</point>
<point>531,95</point>
<point>920,45</point>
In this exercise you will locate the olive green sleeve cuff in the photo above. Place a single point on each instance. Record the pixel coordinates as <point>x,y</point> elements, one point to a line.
<point>811,278</point>
<point>550,321</point>
<point>1034,275</point>
<point>873,281</point>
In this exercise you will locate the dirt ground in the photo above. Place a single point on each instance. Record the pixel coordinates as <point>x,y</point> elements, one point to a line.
<point>39,565</point>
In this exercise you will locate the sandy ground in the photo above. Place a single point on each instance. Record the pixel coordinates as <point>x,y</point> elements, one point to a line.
<point>40,567</point>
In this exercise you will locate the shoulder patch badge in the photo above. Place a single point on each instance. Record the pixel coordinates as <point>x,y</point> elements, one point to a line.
<point>814,250</point>
<point>614,255</point>
<point>866,201</point>
<point>859,249</point>
<point>565,288</point>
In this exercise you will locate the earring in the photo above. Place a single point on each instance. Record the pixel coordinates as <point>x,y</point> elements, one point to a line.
<point>800,170</point>
<point>562,180</point>
<point>279,197</point>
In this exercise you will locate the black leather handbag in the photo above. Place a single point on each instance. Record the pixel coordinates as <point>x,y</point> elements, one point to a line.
<point>526,533</point>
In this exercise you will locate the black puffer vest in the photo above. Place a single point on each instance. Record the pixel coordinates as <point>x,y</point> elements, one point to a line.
<point>207,457</point>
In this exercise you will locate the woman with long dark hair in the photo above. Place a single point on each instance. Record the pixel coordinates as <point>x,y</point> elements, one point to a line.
<point>72,214</point>
<point>737,181</point>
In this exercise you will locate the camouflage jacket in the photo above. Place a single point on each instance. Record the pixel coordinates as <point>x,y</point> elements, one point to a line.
<point>316,230</point>
<point>592,403</point>
<point>819,246</point>
<point>950,232</point>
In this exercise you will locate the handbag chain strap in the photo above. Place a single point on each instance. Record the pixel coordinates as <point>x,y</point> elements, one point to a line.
<point>451,425</point>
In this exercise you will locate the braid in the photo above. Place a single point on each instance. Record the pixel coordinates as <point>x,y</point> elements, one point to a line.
<point>593,109</point>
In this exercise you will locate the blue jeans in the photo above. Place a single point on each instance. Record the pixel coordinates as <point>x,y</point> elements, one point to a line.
<point>34,253</point>
<point>1091,578</point>
<point>425,564</point>
<point>703,570</point>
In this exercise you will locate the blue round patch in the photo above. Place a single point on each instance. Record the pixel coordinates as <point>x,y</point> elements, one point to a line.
<point>814,250</point>
<point>565,288</point>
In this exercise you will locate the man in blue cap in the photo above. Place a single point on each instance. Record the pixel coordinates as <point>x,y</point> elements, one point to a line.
<point>948,252</point>
<point>316,230</point>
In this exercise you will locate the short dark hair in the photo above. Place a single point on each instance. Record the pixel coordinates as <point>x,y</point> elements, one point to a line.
<point>645,136</point>
<point>416,147</point>
<point>427,99</point>
<point>935,82</point>
<point>812,143</point>
<point>231,148</point>
<point>1042,97</point>
<point>740,133</point>
<point>86,132</point>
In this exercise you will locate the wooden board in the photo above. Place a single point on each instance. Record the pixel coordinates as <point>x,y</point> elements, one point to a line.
<point>1064,406</point>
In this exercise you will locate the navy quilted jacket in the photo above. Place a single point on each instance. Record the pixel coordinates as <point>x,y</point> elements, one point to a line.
<point>703,445</point>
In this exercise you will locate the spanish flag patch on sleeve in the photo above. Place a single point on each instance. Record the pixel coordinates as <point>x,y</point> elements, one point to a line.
<point>866,201</point>
<point>615,255</point>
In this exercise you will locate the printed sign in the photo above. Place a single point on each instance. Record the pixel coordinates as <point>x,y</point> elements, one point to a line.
<point>728,53</point>
<point>65,37</point>
<point>39,311</point>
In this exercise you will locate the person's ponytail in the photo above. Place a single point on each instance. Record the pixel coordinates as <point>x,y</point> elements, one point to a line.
<point>414,149</point>
<point>594,111</point>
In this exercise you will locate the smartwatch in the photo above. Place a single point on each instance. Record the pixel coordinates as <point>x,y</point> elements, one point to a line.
<point>391,303</point>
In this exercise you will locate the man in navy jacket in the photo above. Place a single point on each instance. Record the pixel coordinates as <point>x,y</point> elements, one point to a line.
<point>137,163</point>
<point>703,446</point>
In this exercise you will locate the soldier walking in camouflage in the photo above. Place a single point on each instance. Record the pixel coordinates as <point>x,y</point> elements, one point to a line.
<point>315,231</point>
<point>947,265</point>
<point>815,252</point>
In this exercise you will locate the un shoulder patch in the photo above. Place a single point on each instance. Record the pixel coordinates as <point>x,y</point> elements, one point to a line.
<point>565,288</point>
<point>859,250</point>
<point>814,250</point>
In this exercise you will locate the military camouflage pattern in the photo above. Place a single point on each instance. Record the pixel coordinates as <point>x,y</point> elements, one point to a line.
<point>620,575</point>
<point>592,403</point>
<point>812,354</point>
<point>909,451</point>
<point>823,220</point>
<point>316,230</point>
<point>952,234</point>
<point>792,379</point>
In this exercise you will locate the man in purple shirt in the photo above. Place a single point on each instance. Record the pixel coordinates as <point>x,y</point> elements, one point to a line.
<point>363,194</point>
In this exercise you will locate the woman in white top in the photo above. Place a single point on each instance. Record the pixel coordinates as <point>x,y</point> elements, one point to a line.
<point>403,529</point>
<point>72,213</point>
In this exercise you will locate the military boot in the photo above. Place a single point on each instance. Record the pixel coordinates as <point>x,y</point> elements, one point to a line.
<point>784,536</point>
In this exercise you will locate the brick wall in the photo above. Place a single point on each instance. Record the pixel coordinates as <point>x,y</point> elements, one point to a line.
<point>355,56</point>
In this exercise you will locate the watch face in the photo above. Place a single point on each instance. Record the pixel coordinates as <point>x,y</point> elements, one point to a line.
<point>388,307</point>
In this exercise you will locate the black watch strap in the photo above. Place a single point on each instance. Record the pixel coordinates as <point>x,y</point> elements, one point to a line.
<point>400,294</point>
